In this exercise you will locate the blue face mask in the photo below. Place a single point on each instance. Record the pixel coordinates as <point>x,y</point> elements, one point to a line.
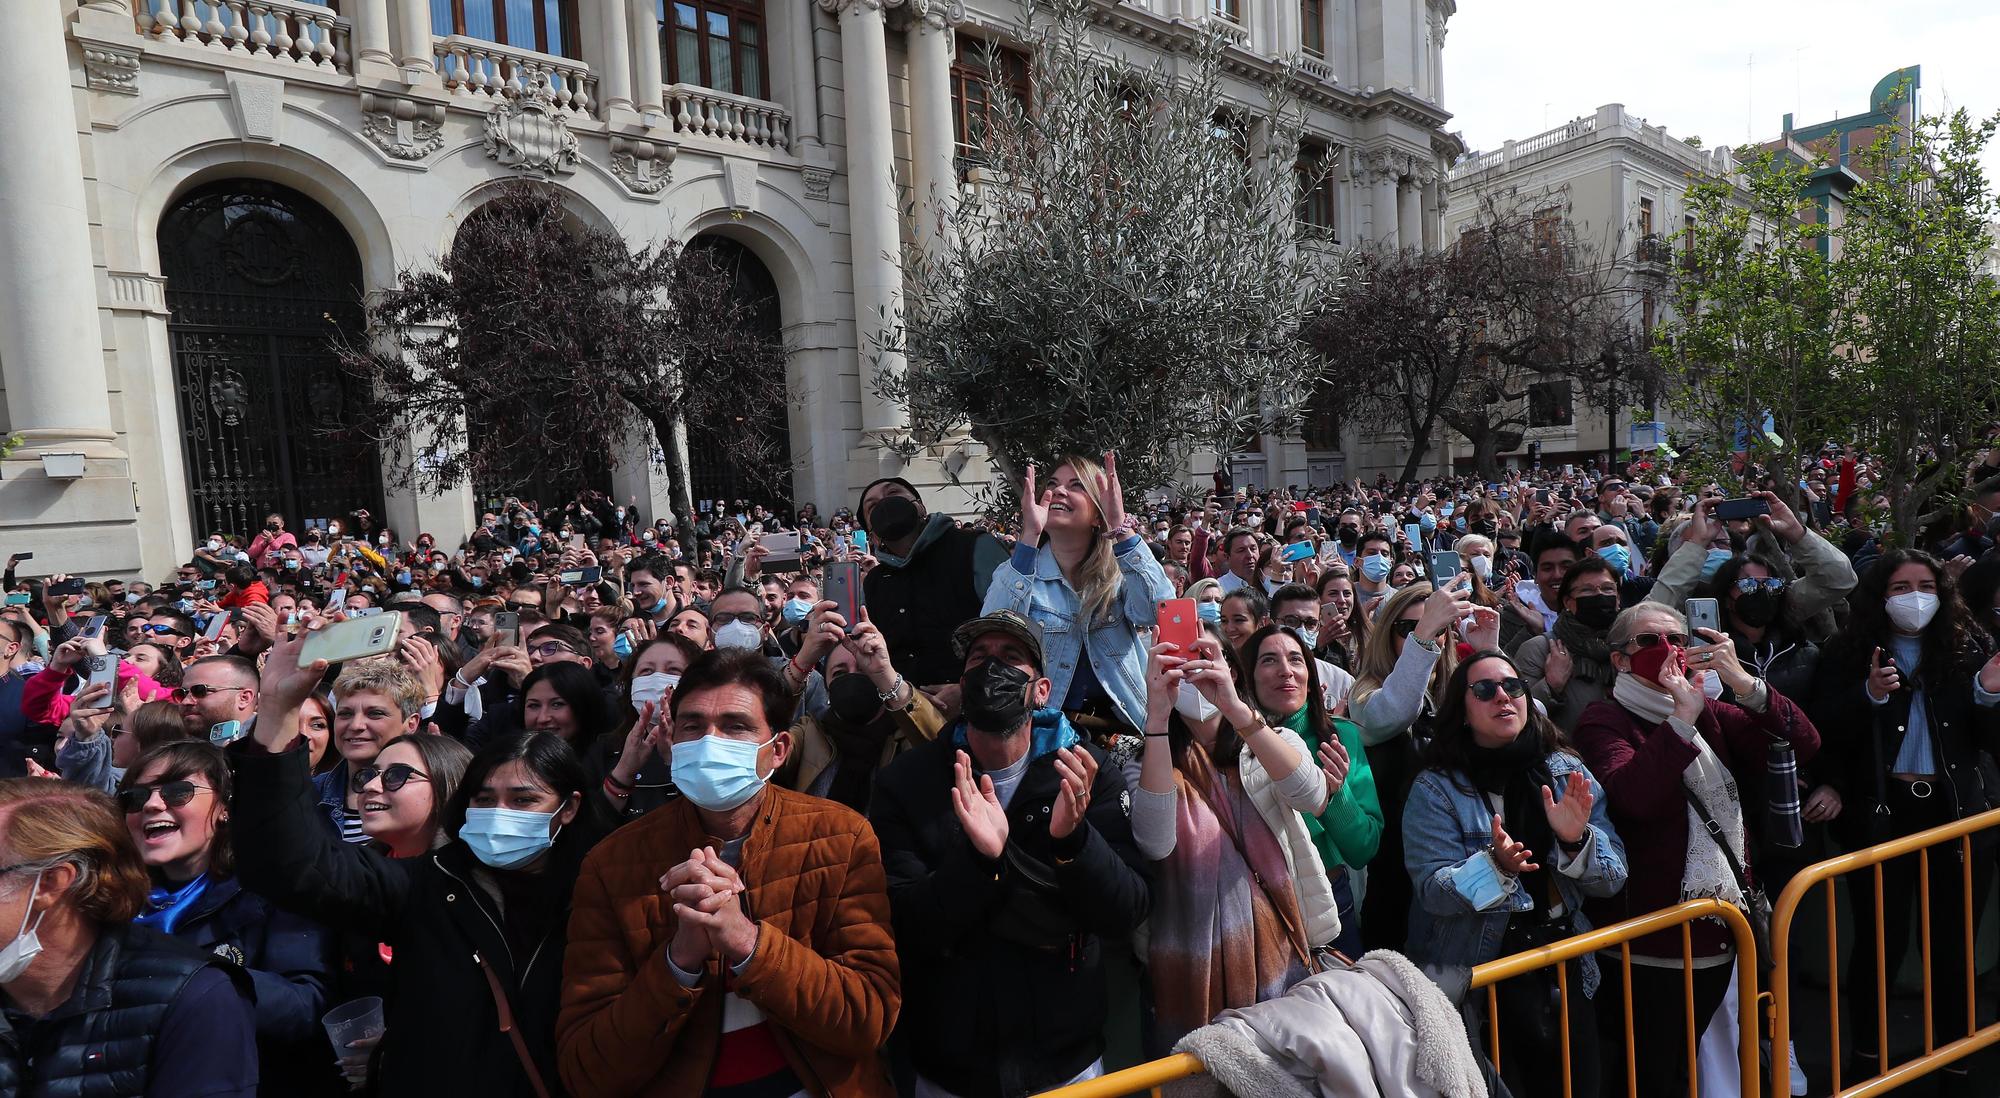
<point>508,838</point>
<point>1459,524</point>
<point>1716,559</point>
<point>1210,612</point>
<point>796,610</point>
<point>717,774</point>
<point>1617,556</point>
<point>622,647</point>
<point>1428,523</point>
<point>475,581</point>
<point>1376,567</point>
<point>403,577</point>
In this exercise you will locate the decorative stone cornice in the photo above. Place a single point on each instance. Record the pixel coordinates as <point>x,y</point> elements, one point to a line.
<point>937,14</point>
<point>403,128</point>
<point>842,7</point>
<point>645,167</point>
<point>109,68</point>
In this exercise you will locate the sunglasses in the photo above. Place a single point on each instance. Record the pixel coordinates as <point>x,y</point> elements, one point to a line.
<point>162,630</point>
<point>1768,583</point>
<point>393,777</point>
<point>1648,640</point>
<point>1403,627</point>
<point>1487,689</point>
<point>202,690</point>
<point>173,794</point>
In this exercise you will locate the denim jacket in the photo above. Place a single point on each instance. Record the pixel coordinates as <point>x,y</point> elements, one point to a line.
<point>1446,830</point>
<point>1031,583</point>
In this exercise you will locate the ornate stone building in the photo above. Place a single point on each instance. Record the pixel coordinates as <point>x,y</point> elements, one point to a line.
<point>195,194</point>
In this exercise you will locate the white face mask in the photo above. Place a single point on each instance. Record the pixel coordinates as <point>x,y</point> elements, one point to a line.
<point>652,687</point>
<point>17,955</point>
<point>214,544</point>
<point>1482,566</point>
<point>1912,610</point>
<point>740,635</point>
<point>1190,704</point>
<point>1711,684</point>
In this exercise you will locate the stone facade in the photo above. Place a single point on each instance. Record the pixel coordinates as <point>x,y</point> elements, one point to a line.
<point>122,108</point>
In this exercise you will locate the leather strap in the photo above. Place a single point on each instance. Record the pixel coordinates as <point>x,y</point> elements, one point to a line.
<point>512,1031</point>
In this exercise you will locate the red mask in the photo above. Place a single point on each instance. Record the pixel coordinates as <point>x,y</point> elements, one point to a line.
<point>1647,662</point>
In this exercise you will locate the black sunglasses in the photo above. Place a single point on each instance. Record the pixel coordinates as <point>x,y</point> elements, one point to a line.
<point>393,777</point>
<point>174,794</point>
<point>1486,689</point>
<point>1403,627</point>
<point>201,690</point>
<point>1648,640</point>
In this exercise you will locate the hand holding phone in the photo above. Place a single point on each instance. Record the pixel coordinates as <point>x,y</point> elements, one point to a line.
<point>1178,625</point>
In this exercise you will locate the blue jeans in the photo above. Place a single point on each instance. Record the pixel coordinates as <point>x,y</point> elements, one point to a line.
<point>1349,940</point>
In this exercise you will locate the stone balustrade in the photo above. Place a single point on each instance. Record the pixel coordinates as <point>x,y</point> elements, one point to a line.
<point>705,112</point>
<point>478,68</point>
<point>283,30</point>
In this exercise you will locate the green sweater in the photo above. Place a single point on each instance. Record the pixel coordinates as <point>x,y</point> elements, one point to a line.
<point>1348,831</point>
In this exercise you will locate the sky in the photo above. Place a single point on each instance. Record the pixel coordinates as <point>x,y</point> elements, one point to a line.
<point>1724,70</point>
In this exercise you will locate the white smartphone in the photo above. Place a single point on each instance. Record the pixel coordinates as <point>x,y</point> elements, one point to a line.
<point>353,639</point>
<point>1703,614</point>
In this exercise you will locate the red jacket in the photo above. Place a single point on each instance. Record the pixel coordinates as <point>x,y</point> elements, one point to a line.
<point>256,592</point>
<point>1640,768</point>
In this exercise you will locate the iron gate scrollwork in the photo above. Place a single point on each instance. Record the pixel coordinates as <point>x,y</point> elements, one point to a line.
<point>260,280</point>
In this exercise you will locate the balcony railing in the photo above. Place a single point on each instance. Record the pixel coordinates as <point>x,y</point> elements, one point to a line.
<point>724,116</point>
<point>477,68</point>
<point>282,30</point>
<point>1653,251</point>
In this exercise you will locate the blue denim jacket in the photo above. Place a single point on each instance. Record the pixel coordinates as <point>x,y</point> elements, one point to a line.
<point>1446,828</point>
<point>1031,583</point>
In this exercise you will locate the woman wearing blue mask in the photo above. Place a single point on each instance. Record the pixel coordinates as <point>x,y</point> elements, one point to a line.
<point>477,926</point>
<point>1207,596</point>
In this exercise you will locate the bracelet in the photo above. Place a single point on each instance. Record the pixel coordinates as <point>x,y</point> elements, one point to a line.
<point>613,789</point>
<point>1157,735</point>
<point>890,694</point>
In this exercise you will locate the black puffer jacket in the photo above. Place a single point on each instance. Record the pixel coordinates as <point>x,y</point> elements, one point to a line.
<point>438,919</point>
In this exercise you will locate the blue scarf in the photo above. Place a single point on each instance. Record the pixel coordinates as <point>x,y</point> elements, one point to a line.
<point>165,907</point>
<point>1051,733</point>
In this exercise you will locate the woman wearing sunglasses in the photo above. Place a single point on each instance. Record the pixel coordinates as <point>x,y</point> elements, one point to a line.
<point>475,920</point>
<point>1665,753</point>
<point>1908,693</point>
<point>175,800</point>
<point>1505,834</point>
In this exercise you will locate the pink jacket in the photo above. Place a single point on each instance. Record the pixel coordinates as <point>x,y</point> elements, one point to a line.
<point>43,700</point>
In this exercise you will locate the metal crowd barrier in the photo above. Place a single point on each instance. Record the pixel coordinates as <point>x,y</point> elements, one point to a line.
<point>1934,1056</point>
<point>1149,1077</point>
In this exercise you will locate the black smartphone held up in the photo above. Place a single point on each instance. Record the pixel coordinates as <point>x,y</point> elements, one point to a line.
<point>582,577</point>
<point>1542,496</point>
<point>70,586</point>
<point>507,628</point>
<point>1741,510</point>
<point>24,556</point>
<point>843,589</point>
<point>94,628</point>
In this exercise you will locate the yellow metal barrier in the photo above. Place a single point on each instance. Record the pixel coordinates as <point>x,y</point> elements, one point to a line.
<point>1934,1057</point>
<point>1150,1076</point>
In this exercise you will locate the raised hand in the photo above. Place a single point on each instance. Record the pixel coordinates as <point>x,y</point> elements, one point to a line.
<point>1557,666</point>
<point>1333,762</point>
<point>1688,700</point>
<point>1163,680</point>
<point>1078,769</point>
<point>1510,857</point>
<point>1884,679</point>
<point>1034,513</point>
<point>978,809</point>
<point>1113,496</point>
<point>1570,817</point>
<point>1781,521</point>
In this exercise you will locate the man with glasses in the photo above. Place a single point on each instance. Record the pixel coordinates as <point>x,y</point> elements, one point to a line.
<point>215,691</point>
<point>171,628</point>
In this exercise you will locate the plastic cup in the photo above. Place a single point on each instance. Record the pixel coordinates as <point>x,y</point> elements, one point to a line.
<point>353,1021</point>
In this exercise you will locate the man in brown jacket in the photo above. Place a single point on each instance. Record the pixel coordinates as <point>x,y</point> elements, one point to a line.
<point>736,941</point>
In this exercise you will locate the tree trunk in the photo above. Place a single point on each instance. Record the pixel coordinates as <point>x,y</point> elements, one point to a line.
<point>1420,444</point>
<point>1486,454</point>
<point>672,437</point>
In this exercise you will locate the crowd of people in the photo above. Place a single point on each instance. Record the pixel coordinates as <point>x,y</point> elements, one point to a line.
<point>615,811</point>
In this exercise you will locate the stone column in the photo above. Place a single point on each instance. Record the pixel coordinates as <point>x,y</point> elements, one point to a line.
<point>648,89</point>
<point>871,205</point>
<point>800,53</point>
<point>613,64</point>
<point>372,55</point>
<point>413,40</point>
<point>1409,213</point>
<point>1383,215</point>
<point>933,145</point>
<point>51,344</point>
<point>1433,189</point>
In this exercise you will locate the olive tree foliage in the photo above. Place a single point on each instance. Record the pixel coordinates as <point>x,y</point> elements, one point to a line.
<point>1123,272</point>
<point>1752,349</point>
<point>536,346</point>
<point>1923,327</point>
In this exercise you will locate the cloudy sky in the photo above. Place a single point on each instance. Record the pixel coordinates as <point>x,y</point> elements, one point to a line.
<point>1726,70</point>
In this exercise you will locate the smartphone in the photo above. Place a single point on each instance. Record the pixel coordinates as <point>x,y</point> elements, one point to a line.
<point>1297,552</point>
<point>1732,510</point>
<point>24,556</point>
<point>335,599</point>
<point>1703,614</point>
<point>364,612</point>
<point>1542,497</point>
<point>843,588</point>
<point>507,628</point>
<point>582,577</point>
<point>1415,533</point>
<point>71,586</point>
<point>782,549</point>
<point>104,669</point>
<point>1445,567</point>
<point>861,540</point>
<point>94,628</point>
<point>1179,625</point>
<point>576,542</point>
<point>216,624</point>
<point>19,598</point>
<point>356,638</point>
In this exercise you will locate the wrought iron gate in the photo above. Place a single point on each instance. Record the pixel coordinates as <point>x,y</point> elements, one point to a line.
<point>713,479</point>
<point>260,281</point>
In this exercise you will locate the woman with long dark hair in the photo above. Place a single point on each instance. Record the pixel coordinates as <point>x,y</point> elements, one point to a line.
<point>476,925</point>
<point>1504,834</point>
<point>1343,626</point>
<point>564,698</point>
<point>1906,695</point>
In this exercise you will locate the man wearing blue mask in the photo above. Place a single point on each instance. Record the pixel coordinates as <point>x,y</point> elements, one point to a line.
<point>700,960</point>
<point>1011,861</point>
<point>1374,559</point>
<point>1613,545</point>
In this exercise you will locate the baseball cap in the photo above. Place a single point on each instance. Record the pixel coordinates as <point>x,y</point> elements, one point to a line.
<point>1000,621</point>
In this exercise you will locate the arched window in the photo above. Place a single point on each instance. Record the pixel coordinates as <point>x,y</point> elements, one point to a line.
<point>715,44</point>
<point>545,26</point>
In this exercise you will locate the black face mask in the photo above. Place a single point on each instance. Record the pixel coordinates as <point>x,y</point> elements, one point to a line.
<point>1349,535</point>
<point>1758,608</point>
<point>853,698</point>
<point>894,518</point>
<point>1485,527</point>
<point>1596,611</point>
<point>995,697</point>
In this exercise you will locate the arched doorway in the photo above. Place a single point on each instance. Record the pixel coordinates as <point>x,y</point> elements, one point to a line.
<point>722,480</point>
<point>261,281</point>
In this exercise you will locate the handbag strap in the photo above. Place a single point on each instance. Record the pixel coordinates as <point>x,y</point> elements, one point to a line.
<point>512,1031</point>
<point>1714,830</point>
